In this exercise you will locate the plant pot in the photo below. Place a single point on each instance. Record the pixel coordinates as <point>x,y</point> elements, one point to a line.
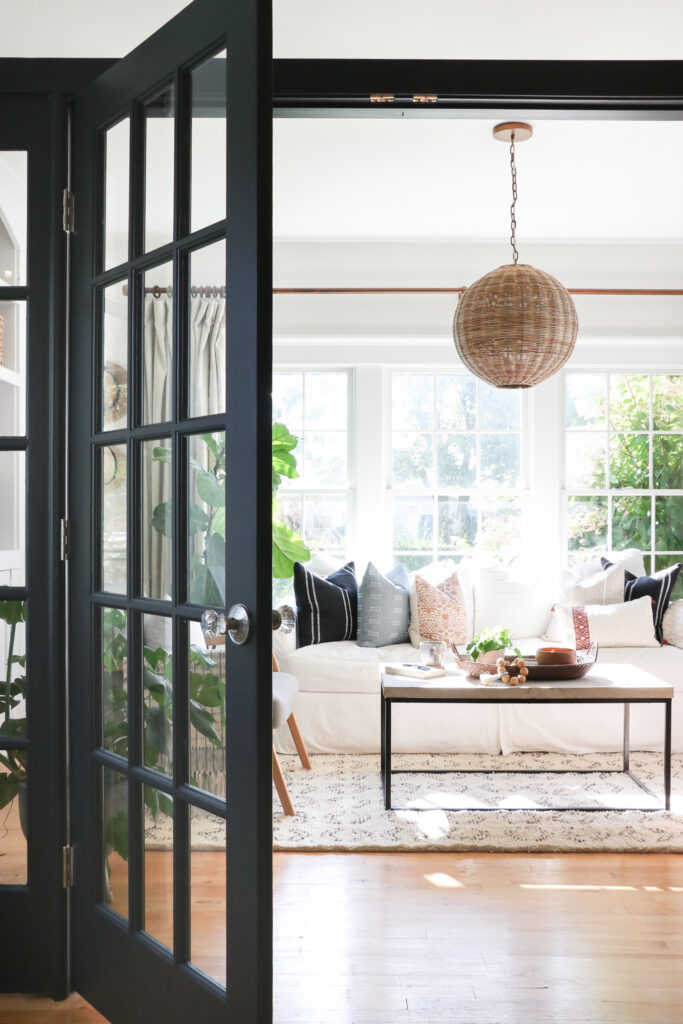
<point>22,790</point>
<point>490,657</point>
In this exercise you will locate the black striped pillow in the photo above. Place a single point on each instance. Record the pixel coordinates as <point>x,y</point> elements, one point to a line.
<point>657,587</point>
<point>326,609</point>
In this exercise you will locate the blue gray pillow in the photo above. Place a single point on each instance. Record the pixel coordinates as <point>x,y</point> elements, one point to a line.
<point>383,607</point>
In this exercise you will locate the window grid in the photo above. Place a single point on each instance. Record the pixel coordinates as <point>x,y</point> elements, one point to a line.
<point>483,495</point>
<point>301,489</point>
<point>610,493</point>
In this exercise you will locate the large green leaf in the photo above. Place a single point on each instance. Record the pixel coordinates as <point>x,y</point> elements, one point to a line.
<point>198,521</point>
<point>204,588</point>
<point>162,518</point>
<point>12,612</point>
<point>210,490</point>
<point>9,787</point>
<point>157,730</point>
<point>203,722</point>
<point>218,524</point>
<point>288,548</point>
<point>116,833</point>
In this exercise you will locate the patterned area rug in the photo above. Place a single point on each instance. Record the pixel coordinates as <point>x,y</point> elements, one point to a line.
<point>339,805</point>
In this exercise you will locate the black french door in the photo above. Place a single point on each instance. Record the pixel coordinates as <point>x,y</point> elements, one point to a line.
<point>170,513</point>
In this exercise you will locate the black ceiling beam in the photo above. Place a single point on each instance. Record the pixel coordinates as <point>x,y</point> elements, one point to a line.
<point>486,84</point>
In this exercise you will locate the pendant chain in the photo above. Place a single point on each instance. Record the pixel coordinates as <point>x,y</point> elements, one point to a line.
<point>513,218</point>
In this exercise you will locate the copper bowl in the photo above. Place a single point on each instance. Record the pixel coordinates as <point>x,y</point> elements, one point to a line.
<point>555,656</point>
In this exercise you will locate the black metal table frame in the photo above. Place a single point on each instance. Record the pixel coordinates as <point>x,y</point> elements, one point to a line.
<point>388,771</point>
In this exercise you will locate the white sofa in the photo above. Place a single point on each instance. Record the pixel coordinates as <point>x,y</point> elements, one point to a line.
<point>339,691</point>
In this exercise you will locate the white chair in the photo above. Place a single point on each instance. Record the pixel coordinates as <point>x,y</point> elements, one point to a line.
<point>285,693</point>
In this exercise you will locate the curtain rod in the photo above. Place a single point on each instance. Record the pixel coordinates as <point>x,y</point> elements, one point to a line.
<point>461,289</point>
<point>218,291</point>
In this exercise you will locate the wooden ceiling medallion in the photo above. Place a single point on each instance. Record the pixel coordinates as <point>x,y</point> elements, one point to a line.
<point>517,325</point>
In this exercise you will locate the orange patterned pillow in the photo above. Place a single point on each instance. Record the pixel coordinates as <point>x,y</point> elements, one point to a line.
<point>441,613</point>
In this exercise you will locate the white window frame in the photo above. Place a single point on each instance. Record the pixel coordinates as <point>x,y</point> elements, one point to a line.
<point>608,492</point>
<point>479,493</point>
<point>294,487</point>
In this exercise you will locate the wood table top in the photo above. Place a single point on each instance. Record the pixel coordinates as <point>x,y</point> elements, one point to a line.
<point>604,682</point>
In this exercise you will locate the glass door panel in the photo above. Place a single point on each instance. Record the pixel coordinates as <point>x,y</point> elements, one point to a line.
<point>159,114</point>
<point>158,345</point>
<point>207,330</point>
<point>209,88</point>
<point>116,146</point>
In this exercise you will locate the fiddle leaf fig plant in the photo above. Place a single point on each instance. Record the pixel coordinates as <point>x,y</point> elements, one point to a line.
<point>12,697</point>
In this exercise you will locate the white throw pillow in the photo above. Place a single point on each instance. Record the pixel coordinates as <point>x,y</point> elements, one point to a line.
<point>516,604</point>
<point>628,624</point>
<point>631,559</point>
<point>606,587</point>
<point>673,624</point>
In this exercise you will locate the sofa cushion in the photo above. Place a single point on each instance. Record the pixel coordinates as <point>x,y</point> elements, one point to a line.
<point>672,624</point>
<point>342,666</point>
<point>383,607</point>
<point>509,602</point>
<point>605,587</point>
<point>327,609</point>
<point>630,558</point>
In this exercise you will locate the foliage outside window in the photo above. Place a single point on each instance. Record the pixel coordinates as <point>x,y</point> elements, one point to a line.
<point>624,465</point>
<point>457,474</point>
<point>315,505</point>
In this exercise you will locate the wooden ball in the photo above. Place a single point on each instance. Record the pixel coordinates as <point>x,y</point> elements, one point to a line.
<point>514,680</point>
<point>505,677</point>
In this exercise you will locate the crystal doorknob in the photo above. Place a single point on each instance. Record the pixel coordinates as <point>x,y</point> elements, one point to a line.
<point>237,625</point>
<point>284,618</point>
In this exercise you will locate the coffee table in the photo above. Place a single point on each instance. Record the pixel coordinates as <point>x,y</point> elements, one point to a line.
<point>610,684</point>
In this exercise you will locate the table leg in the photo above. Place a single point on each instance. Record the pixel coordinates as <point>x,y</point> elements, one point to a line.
<point>627,737</point>
<point>387,755</point>
<point>382,735</point>
<point>667,757</point>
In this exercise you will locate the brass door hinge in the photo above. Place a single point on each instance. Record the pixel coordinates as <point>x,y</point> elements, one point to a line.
<point>68,210</point>
<point>65,539</point>
<point>382,97</point>
<point>67,867</point>
<point>426,97</point>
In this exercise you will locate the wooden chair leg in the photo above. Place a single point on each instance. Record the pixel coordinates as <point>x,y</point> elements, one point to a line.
<point>298,741</point>
<point>281,787</point>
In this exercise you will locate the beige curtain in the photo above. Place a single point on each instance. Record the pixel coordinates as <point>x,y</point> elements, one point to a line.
<point>207,396</point>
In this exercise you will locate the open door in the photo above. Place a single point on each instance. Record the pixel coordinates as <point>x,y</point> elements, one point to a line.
<point>170,513</point>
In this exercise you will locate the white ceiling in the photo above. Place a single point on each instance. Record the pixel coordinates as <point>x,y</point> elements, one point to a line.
<point>465,29</point>
<point>449,179</point>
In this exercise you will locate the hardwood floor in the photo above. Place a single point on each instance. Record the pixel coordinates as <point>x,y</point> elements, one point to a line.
<point>464,939</point>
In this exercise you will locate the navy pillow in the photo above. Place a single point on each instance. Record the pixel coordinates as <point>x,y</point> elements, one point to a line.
<point>326,609</point>
<point>657,587</point>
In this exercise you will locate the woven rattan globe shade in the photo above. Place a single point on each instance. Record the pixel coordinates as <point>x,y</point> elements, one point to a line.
<point>515,327</point>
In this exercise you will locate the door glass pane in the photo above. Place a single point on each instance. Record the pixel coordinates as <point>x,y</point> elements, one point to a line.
<point>207,714</point>
<point>209,83</point>
<point>14,819</point>
<point>114,551</point>
<point>114,357</point>
<point>207,893</point>
<point>13,221</point>
<point>13,679</point>
<point>12,519</point>
<point>206,519</point>
<point>12,368</point>
<point>157,678</point>
<point>159,865</point>
<point>158,345</point>
<point>157,519</point>
<point>115,840</point>
<point>116,193</point>
<point>207,330</point>
<point>114,638</point>
<point>159,168</point>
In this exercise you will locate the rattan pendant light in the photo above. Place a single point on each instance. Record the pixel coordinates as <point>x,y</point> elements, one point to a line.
<point>517,325</point>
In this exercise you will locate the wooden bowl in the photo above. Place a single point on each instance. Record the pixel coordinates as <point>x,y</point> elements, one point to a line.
<point>555,656</point>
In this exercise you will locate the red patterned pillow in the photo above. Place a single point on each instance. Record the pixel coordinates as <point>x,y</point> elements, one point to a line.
<point>441,613</point>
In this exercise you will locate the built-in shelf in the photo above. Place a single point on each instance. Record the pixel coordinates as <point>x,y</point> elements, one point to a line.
<point>10,376</point>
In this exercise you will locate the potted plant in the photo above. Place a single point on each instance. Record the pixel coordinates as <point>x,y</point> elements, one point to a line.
<point>486,646</point>
<point>13,696</point>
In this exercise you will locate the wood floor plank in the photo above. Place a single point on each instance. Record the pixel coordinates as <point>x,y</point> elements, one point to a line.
<point>464,939</point>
